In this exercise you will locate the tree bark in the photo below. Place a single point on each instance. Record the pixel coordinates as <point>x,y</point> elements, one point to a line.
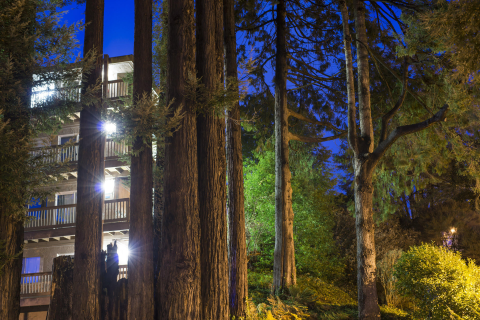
<point>110,281</point>
<point>61,296</point>
<point>120,301</point>
<point>17,116</point>
<point>179,275</point>
<point>140,262</point>
<point>238,289</point>
<point>88,231</point>
<point>11,231</point>
<point>284,272</point>
<point>365,227</point>
<point>211,167</point>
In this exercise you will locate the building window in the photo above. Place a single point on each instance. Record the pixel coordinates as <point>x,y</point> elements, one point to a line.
<point>31,265</point>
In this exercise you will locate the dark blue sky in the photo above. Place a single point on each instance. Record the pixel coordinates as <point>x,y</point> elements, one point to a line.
<point>118,26</point>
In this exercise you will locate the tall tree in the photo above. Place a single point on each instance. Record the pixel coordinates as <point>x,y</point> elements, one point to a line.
<point>140,262</point>
<point>366,155</point>
<point>17,20</point>
<point>32,39</point>
<point>91,175</point>
<point>179,275</point>
<point>284,272</point>
<point>211,163</point>
<point>237,260</point>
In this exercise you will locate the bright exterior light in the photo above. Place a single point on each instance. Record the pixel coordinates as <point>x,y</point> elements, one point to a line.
<point>109,127</point>
<point>453,230</point>
<point>122,251</point>
<point>109,185</point>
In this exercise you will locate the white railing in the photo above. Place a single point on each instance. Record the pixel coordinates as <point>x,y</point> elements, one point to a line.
<point>117,89</point>
<point>122,272</point>
<point>113,148</point>
<point>36,283</point>
<point>41,283</point>
<point>70,94</point>
<point>70,153</point>
<point>116,210</point>
<point>57,154</point>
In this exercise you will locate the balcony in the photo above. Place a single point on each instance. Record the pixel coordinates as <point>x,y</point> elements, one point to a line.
<point>113,150</point>
<point>116,89</point>
<point>40,284</point>
<point>59,221</point>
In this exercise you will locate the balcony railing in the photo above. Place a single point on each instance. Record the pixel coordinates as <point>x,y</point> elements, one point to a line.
<point>40,284</point>
<point>36,283</point>
<point>117,210</point>
<point>70,153</point>
<point>115,89</point>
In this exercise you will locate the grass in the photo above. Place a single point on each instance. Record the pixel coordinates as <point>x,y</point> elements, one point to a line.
<point>310,299</point>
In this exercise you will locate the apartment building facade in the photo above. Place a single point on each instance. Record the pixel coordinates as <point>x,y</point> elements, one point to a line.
<point>50,228</point>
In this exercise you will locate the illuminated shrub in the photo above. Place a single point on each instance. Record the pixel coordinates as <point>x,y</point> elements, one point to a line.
<point>442,285</point>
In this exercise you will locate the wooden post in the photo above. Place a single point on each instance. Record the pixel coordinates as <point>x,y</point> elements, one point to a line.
<point>61,296</point>
<point>105,76</point>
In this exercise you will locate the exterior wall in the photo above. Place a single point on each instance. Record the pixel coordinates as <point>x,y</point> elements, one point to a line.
<point>36,315</point>
<point>47,251</point>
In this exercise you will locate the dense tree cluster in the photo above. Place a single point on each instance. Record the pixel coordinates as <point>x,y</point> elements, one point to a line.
<point>238,98</point>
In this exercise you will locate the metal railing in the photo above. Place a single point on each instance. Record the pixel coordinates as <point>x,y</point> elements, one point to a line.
<point>70,153</point>
<point>117,210</point>
<point>36,283</point>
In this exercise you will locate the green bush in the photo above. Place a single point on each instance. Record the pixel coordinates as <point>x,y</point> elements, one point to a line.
<point>442,284</point>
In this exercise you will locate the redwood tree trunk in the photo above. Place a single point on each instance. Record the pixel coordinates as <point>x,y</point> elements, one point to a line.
<point>284,272</point>
<point>17,116</point>
<point>140,262</point>
<point>61,297</point>
<point>238,289</point>
<point>11,231</point>
<point>211,170</point>
<point>88,231</point>
<point>179,254</point>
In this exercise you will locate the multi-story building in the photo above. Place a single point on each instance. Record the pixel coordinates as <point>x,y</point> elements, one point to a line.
<point>50,230</point>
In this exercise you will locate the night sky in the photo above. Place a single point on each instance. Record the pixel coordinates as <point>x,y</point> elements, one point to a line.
<point>118,26</point>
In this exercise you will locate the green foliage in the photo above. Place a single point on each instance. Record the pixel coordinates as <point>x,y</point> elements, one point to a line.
<point>385,269</point>
<point>36,51</point>
<point>313,206</point>
<point>311,298</point>
<point>440,282</point>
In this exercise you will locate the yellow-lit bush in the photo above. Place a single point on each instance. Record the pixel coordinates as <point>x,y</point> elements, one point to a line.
<point>442,284</point>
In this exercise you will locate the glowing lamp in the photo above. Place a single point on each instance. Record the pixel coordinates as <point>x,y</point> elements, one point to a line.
<point>109,127</point>
<point>108,186</point>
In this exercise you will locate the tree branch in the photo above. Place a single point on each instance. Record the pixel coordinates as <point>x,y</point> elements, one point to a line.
<point>327,124</point>
<point>401,131</point>
<point>292,136</point>
<point>347,43</point>
<point>390,114</point>
<point>396,76</point>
